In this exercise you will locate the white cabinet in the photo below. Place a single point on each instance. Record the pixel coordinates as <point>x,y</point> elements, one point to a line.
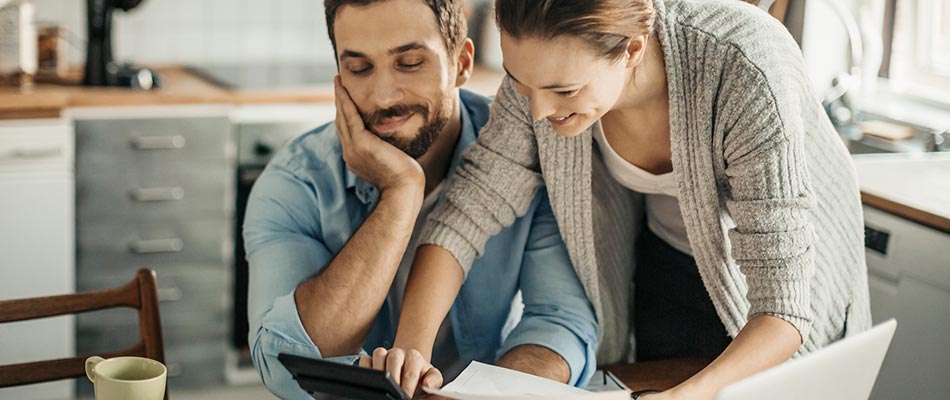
<point>36,243</point>
<point>910,281</point>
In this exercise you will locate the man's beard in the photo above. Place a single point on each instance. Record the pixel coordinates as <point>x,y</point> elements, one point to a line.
<point>418,145</point>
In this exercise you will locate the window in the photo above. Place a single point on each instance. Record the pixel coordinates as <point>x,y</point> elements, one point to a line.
<point>917,62</point>
<point>941,43</point>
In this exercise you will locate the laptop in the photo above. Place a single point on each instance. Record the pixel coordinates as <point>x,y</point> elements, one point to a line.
<point>844,370</point>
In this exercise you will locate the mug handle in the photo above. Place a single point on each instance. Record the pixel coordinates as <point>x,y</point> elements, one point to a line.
<point>91,363</point>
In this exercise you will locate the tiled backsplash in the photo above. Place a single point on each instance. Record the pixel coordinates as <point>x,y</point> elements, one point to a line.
<point>203,31</point>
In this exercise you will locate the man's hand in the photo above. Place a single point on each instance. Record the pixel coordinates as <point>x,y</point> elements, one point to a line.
<point>368,156</point>
<point>407,367</point>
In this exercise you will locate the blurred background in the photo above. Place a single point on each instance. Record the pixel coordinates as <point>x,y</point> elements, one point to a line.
<point>132,131</point>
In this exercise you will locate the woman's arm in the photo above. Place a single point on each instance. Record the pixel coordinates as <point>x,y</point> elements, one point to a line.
<point>434,281</point>
<point>496,184</point>
<point>770,199</point>
<point>764,342</point>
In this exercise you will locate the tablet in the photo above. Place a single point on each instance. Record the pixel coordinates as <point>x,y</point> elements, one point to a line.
<point>348,381</point>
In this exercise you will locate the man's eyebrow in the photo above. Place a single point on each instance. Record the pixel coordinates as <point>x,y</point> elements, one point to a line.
<point>545,87</point>
<point>393,51</point>
<point>351,54</point>
<point>408,47</point>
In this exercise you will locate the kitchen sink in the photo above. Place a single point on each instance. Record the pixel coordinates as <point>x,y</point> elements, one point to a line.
<point>924,140</point>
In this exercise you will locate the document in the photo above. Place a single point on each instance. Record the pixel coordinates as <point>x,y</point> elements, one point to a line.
<point>487,382</point>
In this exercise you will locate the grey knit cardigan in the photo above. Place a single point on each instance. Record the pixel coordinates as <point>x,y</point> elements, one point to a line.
<point>767,190</point>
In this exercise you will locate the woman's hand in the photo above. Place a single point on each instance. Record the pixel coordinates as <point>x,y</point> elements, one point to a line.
<point>764,342</point>
<point>408,368</point>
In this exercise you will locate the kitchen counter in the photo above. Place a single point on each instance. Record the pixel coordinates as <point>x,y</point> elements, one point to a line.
<point>179,86</point>
<point>914,186</point>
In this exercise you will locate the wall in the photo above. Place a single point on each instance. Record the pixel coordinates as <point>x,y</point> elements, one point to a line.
<point>203,31</point>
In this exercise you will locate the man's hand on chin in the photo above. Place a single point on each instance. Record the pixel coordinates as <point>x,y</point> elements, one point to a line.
<point>368,156</point>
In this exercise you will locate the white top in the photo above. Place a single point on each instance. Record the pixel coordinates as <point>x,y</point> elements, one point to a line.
<point>663,211</point>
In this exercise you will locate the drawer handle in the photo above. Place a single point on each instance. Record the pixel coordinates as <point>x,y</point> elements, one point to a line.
<point>158,142</point>
<point>173,193</point>
<point>152,246</point>
<point>33,153</point>
<point>169,294</point>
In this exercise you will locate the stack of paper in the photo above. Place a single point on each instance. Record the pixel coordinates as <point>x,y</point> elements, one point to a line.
<point>486,382</point>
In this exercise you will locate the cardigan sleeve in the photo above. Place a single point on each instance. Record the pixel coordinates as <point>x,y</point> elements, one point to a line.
<point>770,197</point>
<point>495,184</point>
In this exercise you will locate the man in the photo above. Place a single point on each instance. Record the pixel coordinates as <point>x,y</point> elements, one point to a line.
<point>330,220</point>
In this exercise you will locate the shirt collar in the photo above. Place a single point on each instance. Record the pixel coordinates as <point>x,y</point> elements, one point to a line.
<point>369,194</point>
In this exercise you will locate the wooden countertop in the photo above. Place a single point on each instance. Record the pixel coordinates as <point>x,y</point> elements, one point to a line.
<point>911,186</point>
<point>179,86</point>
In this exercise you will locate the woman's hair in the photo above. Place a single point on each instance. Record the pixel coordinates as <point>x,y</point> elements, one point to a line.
<point>606,25</point>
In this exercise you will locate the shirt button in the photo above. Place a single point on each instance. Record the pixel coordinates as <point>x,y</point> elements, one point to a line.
<point>387,344</point>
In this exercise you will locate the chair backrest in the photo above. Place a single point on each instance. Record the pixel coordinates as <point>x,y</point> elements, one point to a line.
<point>140,293</point>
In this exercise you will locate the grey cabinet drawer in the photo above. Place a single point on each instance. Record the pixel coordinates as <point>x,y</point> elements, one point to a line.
<point>111,248</point>
<point>154,143</point>
<point>152,194</point>
<point>196,364</point>
<point>192,304</point>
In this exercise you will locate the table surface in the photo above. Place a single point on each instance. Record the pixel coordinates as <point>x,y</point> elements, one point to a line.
<point>660,375</point>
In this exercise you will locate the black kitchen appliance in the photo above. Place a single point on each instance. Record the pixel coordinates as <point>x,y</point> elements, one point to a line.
<point>101,70</point>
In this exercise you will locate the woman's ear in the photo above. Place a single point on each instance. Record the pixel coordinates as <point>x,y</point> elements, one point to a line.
<point>636,50</point>
<point>466,62</point>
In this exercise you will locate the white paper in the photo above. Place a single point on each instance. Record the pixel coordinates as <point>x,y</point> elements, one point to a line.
<point>487,382</point>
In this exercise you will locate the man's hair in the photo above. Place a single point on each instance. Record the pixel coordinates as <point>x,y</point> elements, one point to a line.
<point>448,16</point>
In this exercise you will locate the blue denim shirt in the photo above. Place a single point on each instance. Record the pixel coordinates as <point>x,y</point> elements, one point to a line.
<point>305,207</point>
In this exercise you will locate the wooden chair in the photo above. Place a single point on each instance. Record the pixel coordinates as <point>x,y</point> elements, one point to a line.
<point>140,293</point>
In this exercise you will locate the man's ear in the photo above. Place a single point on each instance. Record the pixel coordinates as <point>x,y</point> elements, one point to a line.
<point>637,50</point>
<point>465,62</point>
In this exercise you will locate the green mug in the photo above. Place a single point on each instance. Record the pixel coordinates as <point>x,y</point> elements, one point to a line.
<point>122,378</point>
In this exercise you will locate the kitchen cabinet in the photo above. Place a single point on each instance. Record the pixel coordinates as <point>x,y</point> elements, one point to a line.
<point>36,243</point>
<point>909,278</point>
<point>155,189</point>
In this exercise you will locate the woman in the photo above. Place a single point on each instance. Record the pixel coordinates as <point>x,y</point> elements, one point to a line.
<point>752,251</point>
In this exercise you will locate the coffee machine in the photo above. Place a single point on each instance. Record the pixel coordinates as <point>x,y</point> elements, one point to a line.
<point>101,70</point>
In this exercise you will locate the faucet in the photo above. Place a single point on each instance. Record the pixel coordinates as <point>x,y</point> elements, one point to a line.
<point>940,141</point>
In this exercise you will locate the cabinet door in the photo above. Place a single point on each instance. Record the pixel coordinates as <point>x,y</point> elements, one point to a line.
<point>909,279</point>
<point>36,244</point>
<point>919,358</point>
